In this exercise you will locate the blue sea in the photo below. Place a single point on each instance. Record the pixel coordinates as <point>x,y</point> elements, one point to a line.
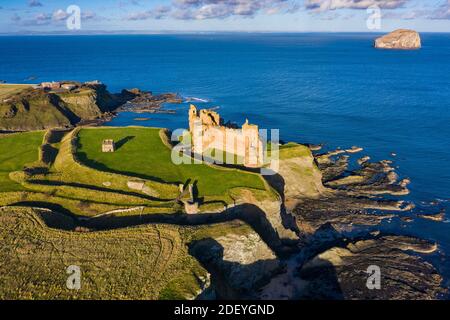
<point>333,89</point>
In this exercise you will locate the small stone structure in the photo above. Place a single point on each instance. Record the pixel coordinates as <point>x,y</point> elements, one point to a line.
<point>210,133</point>
<point>108,146</point>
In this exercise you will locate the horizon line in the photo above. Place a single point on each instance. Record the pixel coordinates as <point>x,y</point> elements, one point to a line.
<point>188,32</point>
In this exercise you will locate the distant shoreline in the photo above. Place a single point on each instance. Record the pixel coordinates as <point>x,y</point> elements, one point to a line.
<point>199,33</point>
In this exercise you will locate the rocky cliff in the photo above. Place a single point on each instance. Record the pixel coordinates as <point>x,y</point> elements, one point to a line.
<point>238,263</point>
<point>399,39</point>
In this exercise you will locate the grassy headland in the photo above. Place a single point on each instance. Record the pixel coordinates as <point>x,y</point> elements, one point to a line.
<point>141,153</point>
<point>67,172</point>
<point>24,108</point>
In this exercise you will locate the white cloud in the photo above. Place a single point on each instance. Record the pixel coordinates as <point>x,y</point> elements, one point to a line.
<point>216,9</point>
<point>442,13</point>
<point>60,15</point>
<point>324,5</point>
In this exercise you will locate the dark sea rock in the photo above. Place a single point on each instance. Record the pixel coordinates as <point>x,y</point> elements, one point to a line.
<point>344,272</point>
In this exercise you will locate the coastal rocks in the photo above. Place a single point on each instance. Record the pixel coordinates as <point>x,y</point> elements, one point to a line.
<point>363,160</point>
<point>399,39</point>
<point>344,272</point>
<point>340,213</point>
<point>146,102</point>
<point>373,178</point>
<point>350,195</point>
<point>354,149</point>
<point>332,164</point>
<point>239,264</point>
<point>438,217</point>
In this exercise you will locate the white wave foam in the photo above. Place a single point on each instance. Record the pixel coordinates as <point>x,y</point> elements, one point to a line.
<point>194,99</point>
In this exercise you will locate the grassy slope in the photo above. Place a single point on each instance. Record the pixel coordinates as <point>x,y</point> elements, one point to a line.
<point>32,110</point>
<point>139,263</point>
<point>16,150</point>
<point>150,262</point>
<point>35,110</point>
<point>7,90</point>
<point>144,155</point>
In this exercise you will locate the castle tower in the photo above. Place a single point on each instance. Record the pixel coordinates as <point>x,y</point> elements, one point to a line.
<point>253,145</point>
<point>193,116</point>
<point>209,133</point>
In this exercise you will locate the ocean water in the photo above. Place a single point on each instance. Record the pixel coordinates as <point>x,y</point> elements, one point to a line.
<point>333,89</point>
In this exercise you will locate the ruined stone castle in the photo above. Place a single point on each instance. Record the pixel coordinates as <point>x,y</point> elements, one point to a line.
<point>208,133</point>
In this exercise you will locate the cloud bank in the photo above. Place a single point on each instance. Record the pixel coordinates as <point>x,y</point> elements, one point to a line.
<point>216,9</point>
<point>324,5</point>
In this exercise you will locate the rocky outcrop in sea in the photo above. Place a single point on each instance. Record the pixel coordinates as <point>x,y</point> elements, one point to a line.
<point>399,39</point>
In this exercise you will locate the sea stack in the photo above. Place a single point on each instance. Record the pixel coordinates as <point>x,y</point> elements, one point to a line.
<point>399,39</point>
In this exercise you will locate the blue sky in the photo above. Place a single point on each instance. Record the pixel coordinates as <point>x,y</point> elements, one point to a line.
<point>224,15</point>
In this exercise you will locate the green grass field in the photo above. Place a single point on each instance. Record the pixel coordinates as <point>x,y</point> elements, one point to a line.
<point>17,150</point>
<point>142,153</point>
<point>7,90</point>
<point>70,173</point>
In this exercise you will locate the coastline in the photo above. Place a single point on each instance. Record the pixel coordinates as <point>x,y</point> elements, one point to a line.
<point>370,202</point>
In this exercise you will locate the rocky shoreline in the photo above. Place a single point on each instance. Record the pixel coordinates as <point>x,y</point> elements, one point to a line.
<point>339,236</point>
<point>77,104</point>
<point>146,102</point>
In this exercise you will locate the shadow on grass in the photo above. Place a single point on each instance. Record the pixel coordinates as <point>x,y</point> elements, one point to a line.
<point>248,213</point>
<point>83,158</point>
<point>122,142</point>
<point>49,154</point>
<point>45,205</point>
<point>95,188</point>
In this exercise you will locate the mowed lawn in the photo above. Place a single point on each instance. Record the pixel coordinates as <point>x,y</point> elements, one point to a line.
<point>17,150</point>
<point>141,153</point>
